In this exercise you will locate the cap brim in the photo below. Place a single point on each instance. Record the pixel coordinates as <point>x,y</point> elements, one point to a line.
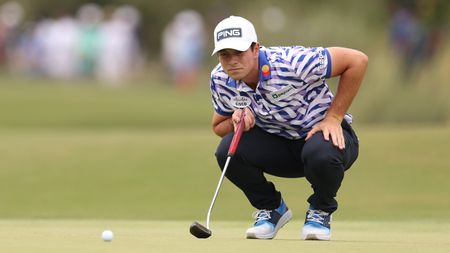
<point>232,44</point>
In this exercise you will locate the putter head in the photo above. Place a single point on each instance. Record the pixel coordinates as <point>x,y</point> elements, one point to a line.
<point>199,231</point>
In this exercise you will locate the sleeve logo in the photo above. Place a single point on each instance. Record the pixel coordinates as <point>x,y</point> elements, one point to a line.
<point>322,64</point>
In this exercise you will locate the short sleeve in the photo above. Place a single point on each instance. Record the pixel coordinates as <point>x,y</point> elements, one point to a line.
<point>218,100</point>
<point>311,64</point>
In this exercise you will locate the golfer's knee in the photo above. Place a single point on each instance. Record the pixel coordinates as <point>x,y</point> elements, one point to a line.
<point>318,152</point>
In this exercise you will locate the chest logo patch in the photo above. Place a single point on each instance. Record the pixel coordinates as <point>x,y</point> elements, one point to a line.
<point>282,93</point>
<point>240,102</point>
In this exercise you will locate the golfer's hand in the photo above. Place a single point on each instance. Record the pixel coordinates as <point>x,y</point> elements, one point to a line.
<point>249,118</point>
<point>330,127</point>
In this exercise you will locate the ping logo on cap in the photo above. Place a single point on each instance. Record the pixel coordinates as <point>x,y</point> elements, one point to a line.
<point>229,33</point>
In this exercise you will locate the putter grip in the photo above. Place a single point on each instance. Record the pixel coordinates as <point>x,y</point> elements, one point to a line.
<point>237,136</point>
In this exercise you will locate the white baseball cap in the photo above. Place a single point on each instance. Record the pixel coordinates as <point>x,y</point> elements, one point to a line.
<point>234,33</point>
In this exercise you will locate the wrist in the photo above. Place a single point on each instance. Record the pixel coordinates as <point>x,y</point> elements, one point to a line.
<point>335,117</point>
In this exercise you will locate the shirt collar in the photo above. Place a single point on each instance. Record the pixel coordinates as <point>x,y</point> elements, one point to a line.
<point>264,67</point>
<point>231,82</point>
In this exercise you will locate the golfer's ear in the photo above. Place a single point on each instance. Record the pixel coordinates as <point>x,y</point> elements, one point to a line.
<point>256,49</point>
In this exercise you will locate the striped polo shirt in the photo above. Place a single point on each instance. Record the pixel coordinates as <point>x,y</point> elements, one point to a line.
<point>291,95</point>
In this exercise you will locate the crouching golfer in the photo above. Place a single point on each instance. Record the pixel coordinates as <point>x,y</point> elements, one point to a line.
<point>294,125</point>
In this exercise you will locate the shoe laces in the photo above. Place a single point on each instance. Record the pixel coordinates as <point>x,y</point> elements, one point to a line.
<point>316,216</point>
<point>262,215</point>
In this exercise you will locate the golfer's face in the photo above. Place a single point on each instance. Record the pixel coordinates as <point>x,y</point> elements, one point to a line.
<point>237,64</point>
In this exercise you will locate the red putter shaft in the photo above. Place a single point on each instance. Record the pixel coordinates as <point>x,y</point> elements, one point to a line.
<point>237,135</point>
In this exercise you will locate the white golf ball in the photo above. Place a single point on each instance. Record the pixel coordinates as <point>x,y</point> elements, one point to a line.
<point>107,235</point>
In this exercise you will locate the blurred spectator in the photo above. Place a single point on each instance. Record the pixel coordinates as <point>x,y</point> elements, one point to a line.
<point>416,31</point>
<point>11,15</point>
<point>90,17</point>
<point>183,44</point>
<point>277,21</point>
<point>30,51</point>
<point>119,48</point>
<point>61,59</point>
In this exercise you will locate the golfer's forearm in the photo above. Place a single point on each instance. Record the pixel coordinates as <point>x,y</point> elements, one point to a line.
<point>224,127</point>
<point>342,102</point>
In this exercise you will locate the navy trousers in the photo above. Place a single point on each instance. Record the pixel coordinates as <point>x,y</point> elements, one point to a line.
<point>318,160</point>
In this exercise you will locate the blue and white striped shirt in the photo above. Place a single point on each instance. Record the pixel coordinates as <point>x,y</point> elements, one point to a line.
<point>291,95</point>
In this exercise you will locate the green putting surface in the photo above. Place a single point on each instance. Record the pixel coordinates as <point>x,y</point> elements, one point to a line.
<point>68,236</point>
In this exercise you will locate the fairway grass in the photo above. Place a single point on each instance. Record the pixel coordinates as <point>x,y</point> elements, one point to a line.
<point>18,236</point>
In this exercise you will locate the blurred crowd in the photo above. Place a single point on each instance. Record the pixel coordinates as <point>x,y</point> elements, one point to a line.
<point>99,43</point>
<point>102,43</point>
<point>417,31</point>
<point>94,43</point>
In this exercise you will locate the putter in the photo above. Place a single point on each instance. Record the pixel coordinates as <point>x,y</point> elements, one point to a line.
<point>197,229</point>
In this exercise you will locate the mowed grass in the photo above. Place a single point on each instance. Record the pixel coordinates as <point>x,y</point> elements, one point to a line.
<point>172,236</point>
<point>41,103</point>
<point>171,174</point>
